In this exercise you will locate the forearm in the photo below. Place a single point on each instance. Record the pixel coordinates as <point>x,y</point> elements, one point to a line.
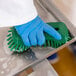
<point>16,12</point>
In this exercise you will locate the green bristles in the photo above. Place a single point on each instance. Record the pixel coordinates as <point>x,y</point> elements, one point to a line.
<point>16,44</point>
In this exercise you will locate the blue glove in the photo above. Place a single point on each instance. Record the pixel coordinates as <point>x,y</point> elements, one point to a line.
<point>32,32</point>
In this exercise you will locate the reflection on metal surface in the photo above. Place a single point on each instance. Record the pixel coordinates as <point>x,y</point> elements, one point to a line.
<point>28,54</point>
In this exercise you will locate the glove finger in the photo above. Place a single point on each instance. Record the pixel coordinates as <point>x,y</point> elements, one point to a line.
<point>32,38</point>
<point>40,38</point>
<point>25,39</point>
<point>51,31</point>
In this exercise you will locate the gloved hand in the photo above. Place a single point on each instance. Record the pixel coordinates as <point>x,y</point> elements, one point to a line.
<point>32,32</point>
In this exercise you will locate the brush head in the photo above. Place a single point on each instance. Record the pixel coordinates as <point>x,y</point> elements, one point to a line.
<point>62,29</point>
<point>16,44</point>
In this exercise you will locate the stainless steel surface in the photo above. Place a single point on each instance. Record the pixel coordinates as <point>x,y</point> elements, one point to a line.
<point>11,63</point>
<point>51,8</point>
<point>43,70</point>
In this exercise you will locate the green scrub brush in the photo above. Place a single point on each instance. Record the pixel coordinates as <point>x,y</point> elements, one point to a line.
<point>16,44</point>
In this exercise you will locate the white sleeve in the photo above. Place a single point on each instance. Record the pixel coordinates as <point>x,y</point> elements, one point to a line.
<point>16,12</point>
